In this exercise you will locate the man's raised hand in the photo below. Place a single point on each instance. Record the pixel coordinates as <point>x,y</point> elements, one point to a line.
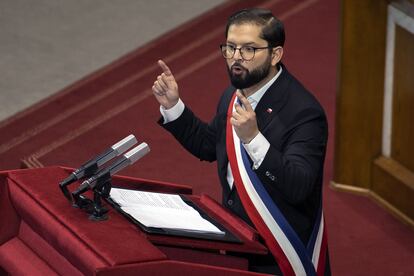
<point>165,88</point>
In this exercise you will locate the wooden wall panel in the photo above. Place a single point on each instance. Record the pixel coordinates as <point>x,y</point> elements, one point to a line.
<point>402,149</point>
<point>366,161</point>
<point>360,92</point>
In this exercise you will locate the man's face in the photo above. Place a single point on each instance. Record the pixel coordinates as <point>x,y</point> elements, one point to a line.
<point>244,74</point>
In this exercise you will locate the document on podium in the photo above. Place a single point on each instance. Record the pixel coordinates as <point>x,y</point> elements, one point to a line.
<point>164,211</point>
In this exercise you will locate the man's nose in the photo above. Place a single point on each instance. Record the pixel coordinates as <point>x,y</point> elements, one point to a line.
<point>237,54</point>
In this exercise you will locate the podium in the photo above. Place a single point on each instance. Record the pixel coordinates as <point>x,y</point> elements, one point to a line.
<point>41,234</point>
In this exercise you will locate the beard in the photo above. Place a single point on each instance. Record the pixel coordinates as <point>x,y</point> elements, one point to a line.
<point>245,78</point>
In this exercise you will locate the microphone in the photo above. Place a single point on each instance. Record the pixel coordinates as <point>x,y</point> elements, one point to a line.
<point>90,167</point>
<point>127,159</point>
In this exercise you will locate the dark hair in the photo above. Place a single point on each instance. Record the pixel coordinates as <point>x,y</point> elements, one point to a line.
<point>272,28</point>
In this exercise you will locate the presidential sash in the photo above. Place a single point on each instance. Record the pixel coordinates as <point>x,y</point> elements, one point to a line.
<point>292,256</point>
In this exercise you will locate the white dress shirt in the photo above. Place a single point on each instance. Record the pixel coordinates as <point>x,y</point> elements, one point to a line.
<point>256,148</point>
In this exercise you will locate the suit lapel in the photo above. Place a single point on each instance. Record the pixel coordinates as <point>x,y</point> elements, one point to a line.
<point>273,100</point>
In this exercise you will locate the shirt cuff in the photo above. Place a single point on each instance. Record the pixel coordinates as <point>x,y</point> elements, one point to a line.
<point>172,113</point>
<point>257,149</point>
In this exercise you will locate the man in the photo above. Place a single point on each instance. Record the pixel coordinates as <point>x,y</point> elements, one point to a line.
<point>269,139</point>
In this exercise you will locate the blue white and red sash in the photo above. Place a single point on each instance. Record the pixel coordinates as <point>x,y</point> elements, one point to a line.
<point>292,256</point>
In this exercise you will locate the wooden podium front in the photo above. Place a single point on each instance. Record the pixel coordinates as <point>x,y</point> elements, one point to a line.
<point>42,234</point>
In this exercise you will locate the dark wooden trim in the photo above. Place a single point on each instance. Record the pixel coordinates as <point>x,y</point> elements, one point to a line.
<point>394,184</point>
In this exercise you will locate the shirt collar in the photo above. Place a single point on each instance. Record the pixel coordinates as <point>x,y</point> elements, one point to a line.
<point>256,96</point>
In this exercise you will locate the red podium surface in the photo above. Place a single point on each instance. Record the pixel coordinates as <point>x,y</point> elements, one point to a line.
<point>41,234</point>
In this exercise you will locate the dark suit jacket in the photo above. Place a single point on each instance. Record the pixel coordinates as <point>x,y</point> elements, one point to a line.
<point>292,169</point>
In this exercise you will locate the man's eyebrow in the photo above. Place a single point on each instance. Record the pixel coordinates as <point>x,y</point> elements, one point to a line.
<point>244,44</point>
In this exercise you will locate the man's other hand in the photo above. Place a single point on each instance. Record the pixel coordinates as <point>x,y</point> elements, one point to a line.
<point>244,120</point>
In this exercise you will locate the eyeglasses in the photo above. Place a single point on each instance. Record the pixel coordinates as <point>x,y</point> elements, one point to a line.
<point>246,52</point>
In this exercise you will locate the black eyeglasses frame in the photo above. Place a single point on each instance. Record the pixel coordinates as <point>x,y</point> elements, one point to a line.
<point>223,46</point>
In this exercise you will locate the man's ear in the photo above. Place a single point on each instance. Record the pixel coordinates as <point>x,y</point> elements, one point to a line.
<point>277,54</point>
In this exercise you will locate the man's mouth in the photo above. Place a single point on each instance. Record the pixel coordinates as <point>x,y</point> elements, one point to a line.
<point>237,69</point>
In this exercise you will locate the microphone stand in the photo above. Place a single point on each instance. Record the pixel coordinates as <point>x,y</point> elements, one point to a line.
<point>101,190</point>
<point>101,185</point>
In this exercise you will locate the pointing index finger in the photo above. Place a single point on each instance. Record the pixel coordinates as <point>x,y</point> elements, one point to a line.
<point>244,101</point>
<point>164,68</point>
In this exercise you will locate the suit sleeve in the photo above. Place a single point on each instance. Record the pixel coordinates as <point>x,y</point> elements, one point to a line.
<point>198,137</point>
<point>296,166</point>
